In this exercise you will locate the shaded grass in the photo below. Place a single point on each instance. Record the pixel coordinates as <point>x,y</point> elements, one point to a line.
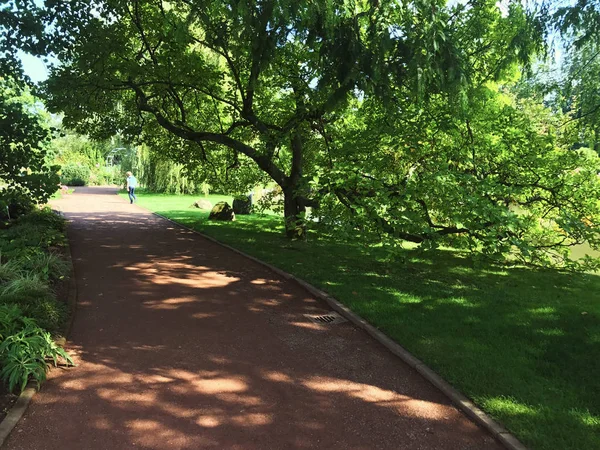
<point>523,343</point>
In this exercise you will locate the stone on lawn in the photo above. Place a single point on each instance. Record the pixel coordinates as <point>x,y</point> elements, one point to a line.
<point>222,211</point>
<point>242,205</point>
<point>203,204</point>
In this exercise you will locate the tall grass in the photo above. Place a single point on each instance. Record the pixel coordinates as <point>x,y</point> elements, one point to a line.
<point>9,270</point>
<point>26,285</point>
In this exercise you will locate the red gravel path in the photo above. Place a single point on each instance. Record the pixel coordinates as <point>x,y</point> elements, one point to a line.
<point>182,344</point>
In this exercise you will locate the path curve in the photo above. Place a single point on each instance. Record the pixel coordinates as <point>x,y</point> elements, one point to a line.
<point>182,344</point>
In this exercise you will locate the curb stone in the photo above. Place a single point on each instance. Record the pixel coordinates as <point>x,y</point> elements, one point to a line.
<point>459,400</point>
<point>18,408</point>
<point>16,412</point>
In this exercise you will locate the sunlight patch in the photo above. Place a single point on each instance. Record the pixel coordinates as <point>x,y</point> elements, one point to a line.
<point>277,376</point>
<point>404,298</point>
<point>382,397</point>
<point>551,332</point>
<point>208,421</point>
<point>509,406</point>
<point>586,418</point>
<point>543,310</point>
<point>457,301</point>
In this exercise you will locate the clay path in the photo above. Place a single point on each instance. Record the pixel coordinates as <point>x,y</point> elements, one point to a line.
<point>182,344</point>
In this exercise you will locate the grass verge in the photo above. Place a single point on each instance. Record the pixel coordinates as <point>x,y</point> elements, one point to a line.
<point>523,343</point>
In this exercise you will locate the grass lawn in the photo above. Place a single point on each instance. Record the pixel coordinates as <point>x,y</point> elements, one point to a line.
<point>524,344</point>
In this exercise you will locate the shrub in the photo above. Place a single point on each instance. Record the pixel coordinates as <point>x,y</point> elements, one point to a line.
<point>32,234</point>
<point>48,266</point>
<point>26,349</point>
<point>103,175</point>
<point>28,268</point>
<point>32,241</point>
<point>46,310</point>
<point>14,205</point>
<point>44,217</point>
<point>75,174</point>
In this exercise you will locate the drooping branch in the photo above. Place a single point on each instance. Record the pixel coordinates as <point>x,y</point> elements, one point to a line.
<point>199,136</point>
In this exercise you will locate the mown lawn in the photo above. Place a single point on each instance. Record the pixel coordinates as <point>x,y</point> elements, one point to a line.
<point>524,344</point>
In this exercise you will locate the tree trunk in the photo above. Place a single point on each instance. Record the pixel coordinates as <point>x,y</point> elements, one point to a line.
<point>294,211</point>
<point>294,206</point>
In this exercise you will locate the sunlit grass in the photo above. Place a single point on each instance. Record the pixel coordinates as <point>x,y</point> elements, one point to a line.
<point>522,343</point>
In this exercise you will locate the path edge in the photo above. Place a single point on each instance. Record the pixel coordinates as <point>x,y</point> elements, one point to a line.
<point>16,412</point>
<point>18,409</point>
<point>465,405</point>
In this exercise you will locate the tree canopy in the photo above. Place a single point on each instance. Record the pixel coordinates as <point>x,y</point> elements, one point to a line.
<point>396,118</point>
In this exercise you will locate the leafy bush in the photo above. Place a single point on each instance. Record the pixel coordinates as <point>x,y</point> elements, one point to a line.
<point>28,268</point>
<point>25,134</point>
<point>103,175</point>
<point>44,217</point>
<point>29,310</point>
<point>10,321</point>
<point>30,284</point>
<point>14,205</point>
<point>31,234</point>
<point>49,313</point>
<point>75,174</point>
<point>26,349</point>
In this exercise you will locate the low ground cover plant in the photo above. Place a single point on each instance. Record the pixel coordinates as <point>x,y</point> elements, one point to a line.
<point>25,349</point>
<point>32,268</point>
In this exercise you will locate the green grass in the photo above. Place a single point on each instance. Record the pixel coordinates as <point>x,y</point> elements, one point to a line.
<point>523,343</point>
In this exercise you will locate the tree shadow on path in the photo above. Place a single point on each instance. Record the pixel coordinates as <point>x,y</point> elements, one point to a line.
<point>183,344</point>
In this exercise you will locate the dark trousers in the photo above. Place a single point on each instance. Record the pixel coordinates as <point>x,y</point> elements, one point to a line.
<point>132,196</point>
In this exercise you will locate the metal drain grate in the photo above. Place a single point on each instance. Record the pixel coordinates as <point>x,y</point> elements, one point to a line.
<point>331,318</point>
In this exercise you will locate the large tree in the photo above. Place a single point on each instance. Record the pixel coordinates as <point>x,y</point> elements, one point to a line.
<point>261,79</point>
<point>578,90</point>
<point>391,112</point>
<point>252,77</point>
<point>497,178</point>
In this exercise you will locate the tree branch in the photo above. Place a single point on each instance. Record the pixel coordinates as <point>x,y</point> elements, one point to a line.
<point>265,163</point>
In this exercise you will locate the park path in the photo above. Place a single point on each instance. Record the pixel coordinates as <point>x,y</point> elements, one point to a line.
<point>182,344</point>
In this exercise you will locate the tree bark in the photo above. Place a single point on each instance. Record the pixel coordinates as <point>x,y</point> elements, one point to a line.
<point>294,206</point>
<point>294,210</point>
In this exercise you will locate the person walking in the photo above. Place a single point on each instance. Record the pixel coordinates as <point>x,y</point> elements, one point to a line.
<point>131,185</point>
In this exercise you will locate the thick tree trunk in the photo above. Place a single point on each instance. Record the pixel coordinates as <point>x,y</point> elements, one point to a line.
<point>294,211</point>
<point>294,207</point>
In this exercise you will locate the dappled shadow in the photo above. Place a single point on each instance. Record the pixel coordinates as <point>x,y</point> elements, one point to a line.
<point>182,344</point>
<point>519,340</point>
